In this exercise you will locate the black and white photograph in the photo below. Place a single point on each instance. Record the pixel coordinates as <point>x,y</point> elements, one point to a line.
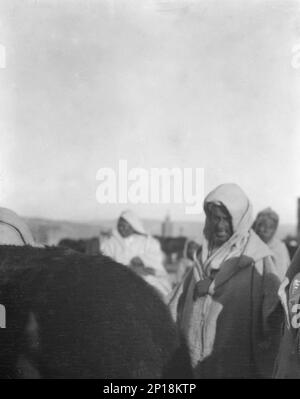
<point>149,192</point>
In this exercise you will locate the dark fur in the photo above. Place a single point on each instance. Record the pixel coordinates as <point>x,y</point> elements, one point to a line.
<point>75,316</point>
<point>89,246</point>
<point>76,245</point>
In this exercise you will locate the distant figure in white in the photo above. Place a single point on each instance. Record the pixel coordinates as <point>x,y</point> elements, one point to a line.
<point>130,245</point>
<point>13,230</point>
<point>265,226</point>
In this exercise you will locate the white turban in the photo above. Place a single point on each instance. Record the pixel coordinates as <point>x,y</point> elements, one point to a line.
<point>134,221</point>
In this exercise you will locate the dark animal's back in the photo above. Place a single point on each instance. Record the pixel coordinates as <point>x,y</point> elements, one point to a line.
<point>94,317</point>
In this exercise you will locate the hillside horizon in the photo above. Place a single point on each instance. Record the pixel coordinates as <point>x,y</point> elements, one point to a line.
<point>51,231</point>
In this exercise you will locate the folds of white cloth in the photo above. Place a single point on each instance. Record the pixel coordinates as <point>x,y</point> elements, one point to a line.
<point>147,249</point>
<point>13,229</point>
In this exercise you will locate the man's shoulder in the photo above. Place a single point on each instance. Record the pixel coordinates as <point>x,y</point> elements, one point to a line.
<point>278,244</point>
<point>256,248</point>
<point>151,242</point>
<point>109,240</point>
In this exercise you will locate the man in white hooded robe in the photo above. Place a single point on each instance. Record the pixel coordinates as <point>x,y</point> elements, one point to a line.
<point>130,245</point>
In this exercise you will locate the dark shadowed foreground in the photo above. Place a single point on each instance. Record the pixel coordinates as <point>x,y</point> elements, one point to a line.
<point>70,315</point>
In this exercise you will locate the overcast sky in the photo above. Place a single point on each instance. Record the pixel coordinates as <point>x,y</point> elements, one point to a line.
<point>207,84</point>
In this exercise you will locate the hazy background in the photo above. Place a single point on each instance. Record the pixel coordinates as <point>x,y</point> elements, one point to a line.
<point>205,84</point>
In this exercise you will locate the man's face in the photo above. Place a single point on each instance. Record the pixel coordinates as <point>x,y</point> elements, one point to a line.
<point>218,225</point>
<point>124,228</point>
<point>265,228</point>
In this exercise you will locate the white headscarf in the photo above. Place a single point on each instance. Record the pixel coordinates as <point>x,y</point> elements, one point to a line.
<point>134,221</point>
<point>13,230</point>
<point>233,198</point>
